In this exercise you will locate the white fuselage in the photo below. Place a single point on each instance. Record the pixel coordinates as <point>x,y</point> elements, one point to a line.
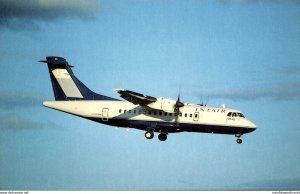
<point>125,114</point>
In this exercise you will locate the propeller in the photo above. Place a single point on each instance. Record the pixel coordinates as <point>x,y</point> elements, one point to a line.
<point>202,102</point>
<point>178,104</point>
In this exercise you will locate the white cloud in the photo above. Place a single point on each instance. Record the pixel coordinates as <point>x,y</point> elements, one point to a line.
<point>19,99</point>
<point>13,121</point>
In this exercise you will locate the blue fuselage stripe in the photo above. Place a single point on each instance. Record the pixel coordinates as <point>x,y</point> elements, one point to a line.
<point>172,127</point>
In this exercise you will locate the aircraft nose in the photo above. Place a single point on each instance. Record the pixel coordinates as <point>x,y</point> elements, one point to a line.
<point>251,126</point>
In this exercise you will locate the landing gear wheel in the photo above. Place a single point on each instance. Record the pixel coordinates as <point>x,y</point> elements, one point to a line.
<point>162,137</point>
<point>149,134</point>
<point>239,141</point>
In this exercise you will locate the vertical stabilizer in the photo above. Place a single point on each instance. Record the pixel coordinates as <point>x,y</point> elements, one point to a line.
<point>65,85</point>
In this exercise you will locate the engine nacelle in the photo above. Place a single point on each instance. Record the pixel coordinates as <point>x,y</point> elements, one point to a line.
<point>165,105</point>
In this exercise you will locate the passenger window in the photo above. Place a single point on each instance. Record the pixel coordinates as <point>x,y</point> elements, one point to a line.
<point>196,115</point>
<point>191,115</point>
<point>166,114</point>
<point>120,110</point>
<point>185,115</point>
<point>149,112</point>
<point>129,111</point>
<point>234,114</point>
<point>134,111</point>
<point>229,114</point>
<point>160,113</point>
<point>124,111</point>
<point>145,112</point>
<point>170,114</point>
<point>154,112</point>
<point>180,114</point>
<point>140,111</point>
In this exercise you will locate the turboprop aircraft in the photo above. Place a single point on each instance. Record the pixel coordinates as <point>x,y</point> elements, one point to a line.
<point>139,111</point>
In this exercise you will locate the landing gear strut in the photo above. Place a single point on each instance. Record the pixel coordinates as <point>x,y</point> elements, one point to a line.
<point>162,136</point>
<point>239,141</point>
<point>149,134</point>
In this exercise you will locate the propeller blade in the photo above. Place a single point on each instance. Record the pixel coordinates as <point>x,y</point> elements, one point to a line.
<point>178,104</point>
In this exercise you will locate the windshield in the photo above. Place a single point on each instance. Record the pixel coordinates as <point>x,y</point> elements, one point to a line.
<point>235,114</point>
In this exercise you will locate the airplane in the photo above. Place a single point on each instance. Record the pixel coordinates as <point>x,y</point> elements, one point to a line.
<point>140,111</point>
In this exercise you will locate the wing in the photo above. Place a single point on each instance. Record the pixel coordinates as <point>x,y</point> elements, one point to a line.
<point>135,98</point>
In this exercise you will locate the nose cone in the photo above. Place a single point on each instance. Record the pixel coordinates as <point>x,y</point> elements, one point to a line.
<point>251,126</point>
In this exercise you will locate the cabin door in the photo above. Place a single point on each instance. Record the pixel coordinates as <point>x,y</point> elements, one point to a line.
<point>105,114</point>
<point>196,116</point>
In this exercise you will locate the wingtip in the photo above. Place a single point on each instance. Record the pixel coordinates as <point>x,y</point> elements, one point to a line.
<point>118,90</point>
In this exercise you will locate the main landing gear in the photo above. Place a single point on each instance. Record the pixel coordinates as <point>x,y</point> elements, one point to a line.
<point>162,136</point>
<point>150,134</point>
<point>239,141</point>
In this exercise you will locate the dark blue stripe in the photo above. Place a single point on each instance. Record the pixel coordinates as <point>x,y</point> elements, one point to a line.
<point>172,127</point>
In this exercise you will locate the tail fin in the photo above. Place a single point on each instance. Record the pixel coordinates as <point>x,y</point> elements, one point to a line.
<point>65,85</point>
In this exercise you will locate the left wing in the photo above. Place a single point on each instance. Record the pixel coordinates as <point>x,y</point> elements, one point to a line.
<point>135,98</point>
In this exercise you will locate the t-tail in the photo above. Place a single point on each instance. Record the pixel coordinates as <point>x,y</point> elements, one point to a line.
<point>65,85</point>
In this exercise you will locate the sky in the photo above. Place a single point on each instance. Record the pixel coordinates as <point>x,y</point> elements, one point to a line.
<point>241,53</point>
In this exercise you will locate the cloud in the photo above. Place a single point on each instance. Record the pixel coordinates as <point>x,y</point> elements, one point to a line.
<point>278,92</point>
<point>14,13</point>
<point>19,99</point>
<point>279,184</point>
<point>54,126</point>
<point>291,70</point>
<point>15,122</point>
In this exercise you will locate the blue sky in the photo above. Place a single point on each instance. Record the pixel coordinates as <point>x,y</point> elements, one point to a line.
<point>241,53</point>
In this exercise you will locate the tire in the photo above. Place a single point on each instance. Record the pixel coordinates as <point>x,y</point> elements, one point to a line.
<point>149,135</point>
<point>162,137</point>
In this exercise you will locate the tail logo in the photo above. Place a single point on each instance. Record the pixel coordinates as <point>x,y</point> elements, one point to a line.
<point>66,83</point>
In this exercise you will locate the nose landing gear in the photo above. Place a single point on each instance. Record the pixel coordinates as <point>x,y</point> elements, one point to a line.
<point>239,141</point>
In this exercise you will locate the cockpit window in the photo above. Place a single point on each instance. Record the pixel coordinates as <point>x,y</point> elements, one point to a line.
<point>235,114</point>
<point>240,115</point>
